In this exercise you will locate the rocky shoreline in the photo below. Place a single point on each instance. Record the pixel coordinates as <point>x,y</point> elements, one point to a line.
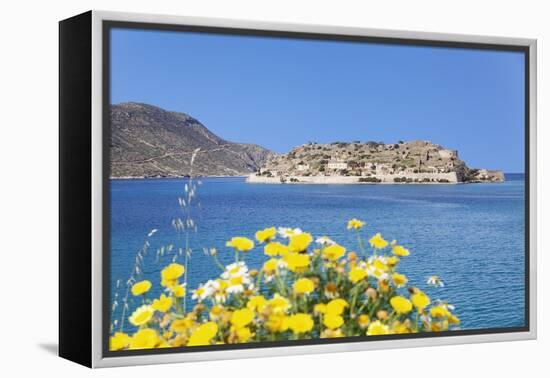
<point>339,180</point>
<point>172,177</point>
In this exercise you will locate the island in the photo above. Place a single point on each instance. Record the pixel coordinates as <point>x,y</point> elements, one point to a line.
<point>414,162</point>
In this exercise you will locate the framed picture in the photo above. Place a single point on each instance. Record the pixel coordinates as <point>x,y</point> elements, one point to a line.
<point>232,189</point>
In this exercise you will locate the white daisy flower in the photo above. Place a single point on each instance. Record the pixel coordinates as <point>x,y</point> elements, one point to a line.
<point>377,273</point>
<point>238,283</point>
<point>435,281</point>
<point>287,232</point>
<point>235,269</point>
<point>324,240</point>
<point>220,297</point>
<point>203,292</point>
<point>445,304</point>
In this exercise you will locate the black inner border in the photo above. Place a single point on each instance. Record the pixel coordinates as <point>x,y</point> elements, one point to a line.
<point>107,26</point>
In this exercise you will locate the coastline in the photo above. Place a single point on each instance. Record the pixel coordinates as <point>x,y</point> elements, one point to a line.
<point>334,180</point>
<point>304,180</point>
<point>173,177</point>
<point>389,179</point>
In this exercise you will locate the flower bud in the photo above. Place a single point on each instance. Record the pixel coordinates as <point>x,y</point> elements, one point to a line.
<point>253,272</point>
<point>199,308</point>
<point>371,293</point>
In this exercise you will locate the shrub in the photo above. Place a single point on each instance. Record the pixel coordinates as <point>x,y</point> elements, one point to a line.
<point>369,179</point>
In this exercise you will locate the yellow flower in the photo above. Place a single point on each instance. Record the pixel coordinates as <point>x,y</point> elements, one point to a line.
<point>333,252</point>
<point>399,280</point>
<point>383,286</point>
<point>378,328</point>
<point>453,319</point>
<point>303,286</point>
<point>336,306</point>
<point>204,334</point>
<point>236,280</point>
<point>144,339</point>
<point>270,266</point>
<point>119,341</point>
<point>440,326</point>
<point>162,304</point>
<point>266,234</point>
<point>168,283</point>
<point>241,318</point>
<point>276,249</point>
<point>141,287</point>
<point>215,312</point>
<point>357,274</point>
<point>244,334</point>
<point>278,304</point>
<point>420,300</point>
<point>363,320</point>
<point>400,304</point>
<point>320,308</point>
<point>172,272</point>
<point>355,224</point>
<point>399,328</point>
<point>240,243</point>
<point>380,266</point>
<point>277,323</point>
<point>300,323</point>
<point>333,321</point>
<point>178,341</point>
<point>257,303</point>
<point>378,242</point>
<point>439,312</point>
<point>300,242</point>
<point>179,291</point>
<point>399,250</point>
<point>297,262</point>
<point>141,315</point>
<point>181,325</point>
<point>392,260</point>
<point>331,333</point>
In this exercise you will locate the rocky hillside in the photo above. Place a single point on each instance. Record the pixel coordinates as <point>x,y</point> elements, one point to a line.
<point>371,162</point>
<point>147,141</point>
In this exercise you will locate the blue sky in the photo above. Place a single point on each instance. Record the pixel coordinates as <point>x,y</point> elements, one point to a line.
<point>280,93</point>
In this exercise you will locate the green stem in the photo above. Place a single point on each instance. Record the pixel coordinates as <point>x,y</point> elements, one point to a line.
<point>218,263</point>
<point>361,243</point>
<point>259,280</point>
<point>354,298</point>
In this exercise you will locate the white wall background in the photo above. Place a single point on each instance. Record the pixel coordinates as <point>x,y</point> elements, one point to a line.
<point>28,187</point>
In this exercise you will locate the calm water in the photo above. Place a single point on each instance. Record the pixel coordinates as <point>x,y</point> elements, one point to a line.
<point>472,236</point>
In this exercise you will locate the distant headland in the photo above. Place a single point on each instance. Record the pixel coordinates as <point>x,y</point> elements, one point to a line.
<point>420,162</point>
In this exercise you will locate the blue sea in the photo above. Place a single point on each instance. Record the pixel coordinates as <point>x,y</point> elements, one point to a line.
<point>472,236</point>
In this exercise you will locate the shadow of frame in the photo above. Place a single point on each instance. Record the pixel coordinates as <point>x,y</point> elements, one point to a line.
<point>52,348</point>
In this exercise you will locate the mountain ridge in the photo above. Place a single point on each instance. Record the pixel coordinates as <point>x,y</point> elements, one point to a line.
<point>148,141</point>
